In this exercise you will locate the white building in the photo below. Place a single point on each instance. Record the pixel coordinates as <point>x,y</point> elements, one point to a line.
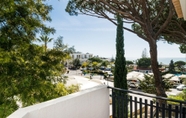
<point>81,56</point>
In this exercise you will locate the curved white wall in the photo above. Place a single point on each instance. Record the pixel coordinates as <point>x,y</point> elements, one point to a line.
<point>90,103</point>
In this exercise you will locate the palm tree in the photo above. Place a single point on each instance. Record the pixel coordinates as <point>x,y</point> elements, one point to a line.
<point>45,39</point>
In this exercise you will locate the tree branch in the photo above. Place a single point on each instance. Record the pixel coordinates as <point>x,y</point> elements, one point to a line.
<point>167,20</point>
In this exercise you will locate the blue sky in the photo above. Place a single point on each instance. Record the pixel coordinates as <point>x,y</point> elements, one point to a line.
<point>97,36</point>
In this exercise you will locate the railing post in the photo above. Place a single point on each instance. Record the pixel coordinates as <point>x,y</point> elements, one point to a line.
<point>181,110</point>
<point>113,104</point>
<point>176,112</point>
<point>151,109</point>
<point>163,111</point>
<point>184,112</point>
<point>131,107</point>
<point>146,107</point>
<point>135,106</point>
<point>157,110</point>
<point>170,111</point>
<point>140,103</point>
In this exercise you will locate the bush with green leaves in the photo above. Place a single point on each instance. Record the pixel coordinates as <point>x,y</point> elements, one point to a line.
<point>180,96</point>
<point>144,62</point>
<point>76,63</point>
<point>148,85</point>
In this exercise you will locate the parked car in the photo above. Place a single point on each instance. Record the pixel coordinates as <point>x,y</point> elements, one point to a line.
<point>133,84</point>
<point>181,87</point>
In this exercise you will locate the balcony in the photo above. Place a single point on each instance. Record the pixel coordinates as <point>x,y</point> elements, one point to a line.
<point>95,103</point>
<point>141,105</point>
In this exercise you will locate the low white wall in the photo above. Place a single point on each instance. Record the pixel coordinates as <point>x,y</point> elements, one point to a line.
<point>90,103</point>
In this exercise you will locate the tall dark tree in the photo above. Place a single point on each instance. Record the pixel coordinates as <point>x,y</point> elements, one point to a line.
<point>171,67</point>
<point>120,71</point>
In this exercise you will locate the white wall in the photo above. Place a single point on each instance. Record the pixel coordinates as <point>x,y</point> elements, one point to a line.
<point>90,103</point>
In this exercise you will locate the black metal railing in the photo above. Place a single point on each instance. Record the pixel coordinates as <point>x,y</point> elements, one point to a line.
<point>134,104</point>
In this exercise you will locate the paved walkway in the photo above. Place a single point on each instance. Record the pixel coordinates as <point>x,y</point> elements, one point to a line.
<point>84,82</point>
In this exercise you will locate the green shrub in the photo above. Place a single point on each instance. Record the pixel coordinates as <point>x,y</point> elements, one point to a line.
<point>177,97</point>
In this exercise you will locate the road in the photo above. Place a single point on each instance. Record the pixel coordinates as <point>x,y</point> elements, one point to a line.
<point>86,82</point>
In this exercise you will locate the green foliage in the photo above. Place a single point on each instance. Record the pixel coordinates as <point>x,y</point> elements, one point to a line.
<point>184,95</point>
<point>46,40</point>
<point>143,62</point>
<point>129,62</point>
<point>76,63</point>
<point>22,19</point>
<point>148,84</point>
<point>182,48</point>
<point>120,71</point>
<point>7,107</point>
<point>112,59</point>
<point>24,66</point>
<point>24,74</point>
<point>180,65</point>
<point>177,97</point>
<point>62,90</point>
<point>73,89</point>
<point>84,64</point>
<point>153,20</point>
<point>105,63</point>
<point>95,65</point>
<point>95,59</point>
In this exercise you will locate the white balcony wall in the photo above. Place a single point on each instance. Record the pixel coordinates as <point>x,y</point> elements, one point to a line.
<point>90,103</point>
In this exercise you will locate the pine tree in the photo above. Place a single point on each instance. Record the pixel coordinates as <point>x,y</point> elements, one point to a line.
<point>144,53</point>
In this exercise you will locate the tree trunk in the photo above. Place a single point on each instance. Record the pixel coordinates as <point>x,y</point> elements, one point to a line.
<point>154,64</point>
<point>45,47</point>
